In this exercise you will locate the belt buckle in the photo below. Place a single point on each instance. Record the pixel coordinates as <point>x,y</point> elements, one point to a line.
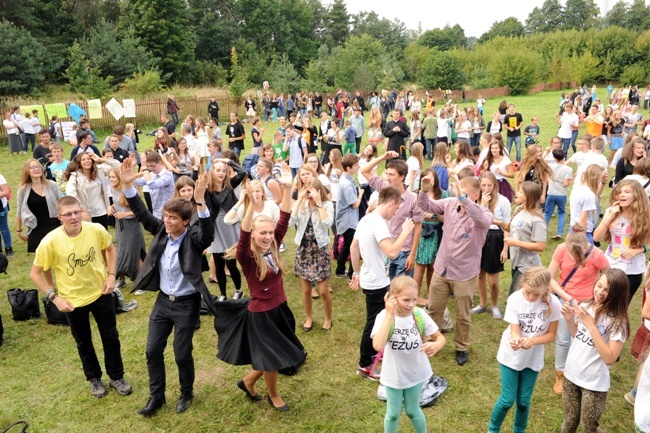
<point>172,298</point>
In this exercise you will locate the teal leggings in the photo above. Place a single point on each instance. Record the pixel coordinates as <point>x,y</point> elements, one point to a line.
<point>516,387</point>
<point>411,399</point>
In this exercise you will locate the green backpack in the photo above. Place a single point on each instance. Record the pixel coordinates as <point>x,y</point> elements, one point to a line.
<point>418,317</point>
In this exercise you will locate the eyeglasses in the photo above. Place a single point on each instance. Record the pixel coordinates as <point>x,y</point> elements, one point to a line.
<point>312,162</point>
<point>36,168</point>
<point>71,214</point>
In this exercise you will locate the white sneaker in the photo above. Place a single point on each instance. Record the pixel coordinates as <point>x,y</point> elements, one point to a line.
<point>496,313</point>
<point>282,248</point>
<point>478,310</point>
<point>139,292</point>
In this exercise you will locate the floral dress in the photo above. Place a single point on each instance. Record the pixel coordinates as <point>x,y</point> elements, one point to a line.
<point>312,263</point>
<point>429,239</point>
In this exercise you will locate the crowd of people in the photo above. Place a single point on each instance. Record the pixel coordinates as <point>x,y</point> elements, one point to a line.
<point>400,207</point>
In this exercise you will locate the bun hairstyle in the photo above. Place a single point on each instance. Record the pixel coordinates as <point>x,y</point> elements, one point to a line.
<point>577,244</point>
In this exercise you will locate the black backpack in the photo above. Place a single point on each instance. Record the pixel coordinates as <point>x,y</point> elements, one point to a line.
<point>52,129</point>
<point>4,263</point>
<point>250,161</point>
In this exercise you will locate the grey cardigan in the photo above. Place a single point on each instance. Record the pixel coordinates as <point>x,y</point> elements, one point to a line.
<point>52,196</point>
<point>321,228</point>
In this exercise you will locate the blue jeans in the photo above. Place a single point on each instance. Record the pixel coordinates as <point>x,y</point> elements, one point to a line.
<point>517,141</point>
<point>565,145</point>
<point>397,266</point>
<point>574,138</point>
<point>410,397</point>
<point>516,387</point>
<point>294,172</point>
<point>237,150</point>
<point>29,138</point>
<point>175,118</point>
<point>430,143</point>
<point>4,228</point>
<point>549,207</point>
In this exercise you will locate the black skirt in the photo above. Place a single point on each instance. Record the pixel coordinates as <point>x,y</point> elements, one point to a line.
<point>491,256</point>
<point>267,341</point>
<point>38,233</point>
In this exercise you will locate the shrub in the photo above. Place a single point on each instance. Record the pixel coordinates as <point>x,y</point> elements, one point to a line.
<point>142,83</point>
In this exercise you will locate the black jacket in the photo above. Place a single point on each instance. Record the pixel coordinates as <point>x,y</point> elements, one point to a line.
<point>198,238</point>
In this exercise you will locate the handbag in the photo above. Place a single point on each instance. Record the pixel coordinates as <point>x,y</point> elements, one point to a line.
<point>641,342</point>
<point>52,313</point>
<point>17,423</point>
<point>24,304</point>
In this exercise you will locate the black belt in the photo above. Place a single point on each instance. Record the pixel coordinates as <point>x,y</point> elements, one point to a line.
<point>181,298</point>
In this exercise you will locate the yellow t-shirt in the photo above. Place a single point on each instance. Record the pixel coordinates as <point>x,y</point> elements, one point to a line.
<point>77,262</point>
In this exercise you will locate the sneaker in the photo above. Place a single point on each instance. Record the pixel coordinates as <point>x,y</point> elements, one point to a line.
<point>222,298</point>
<point>630,398</point>
<point>556,237</point>
<point>478,310</point>
<point>97,388</point>
<point>461,357</point>
<point>139,292</point>
<point>341,275</point>
<point>9,251</point>
<point>496,313</point>
<point>238,294</point>
<point>121,386</point>
<point>369,373</point>
<point>120,284</point>
<point>282,248</point>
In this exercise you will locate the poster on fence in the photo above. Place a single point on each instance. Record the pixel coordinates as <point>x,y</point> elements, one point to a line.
<point>29,108</point>
<point>94,108</point>
<point>59,110</point>
<point>115,108</point>
<point>129,107</point>
<point>67,130</point>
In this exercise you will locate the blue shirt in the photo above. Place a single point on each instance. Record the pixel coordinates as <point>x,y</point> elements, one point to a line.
<point>161,188</point>
<point>347,217</point>
<point>350,134</point>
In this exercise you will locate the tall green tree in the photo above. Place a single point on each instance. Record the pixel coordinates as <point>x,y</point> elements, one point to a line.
<point>510,27</point>
<point>442,69</point>
<point>337,27</point>
<point>444,39</point>
<point>617,15</point>
<point>21,74</point>
<point>392,34</point>
<point>638,17</point>
<point>580,14</point>
<point>548,18</point>
<point>163,27</point>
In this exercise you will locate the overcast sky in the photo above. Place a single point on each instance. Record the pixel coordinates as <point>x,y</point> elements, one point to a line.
<point>474,16</point>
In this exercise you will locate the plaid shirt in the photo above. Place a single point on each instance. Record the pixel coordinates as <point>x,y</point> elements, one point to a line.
<point>459,254</point>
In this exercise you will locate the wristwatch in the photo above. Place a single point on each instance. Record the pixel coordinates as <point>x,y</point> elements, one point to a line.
<point>203,204</point>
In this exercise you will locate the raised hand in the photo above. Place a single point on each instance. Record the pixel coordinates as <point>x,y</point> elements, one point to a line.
<point>128,172</point>
<point>200,187</point>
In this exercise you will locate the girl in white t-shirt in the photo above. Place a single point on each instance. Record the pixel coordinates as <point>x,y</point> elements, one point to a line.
<point>463,156</point>
<point>599,329</point>
<point>584,199</point>
<point>532,314</point>
<point>415,164</point>
<point>626,225</point>
<point>401,331</point>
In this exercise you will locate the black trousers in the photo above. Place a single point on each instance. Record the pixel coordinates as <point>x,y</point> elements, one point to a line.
<point>374,305</point>
<point>182,317</point>
<point>219,263</point>
<point>348,237</point>
<point>103,310</point>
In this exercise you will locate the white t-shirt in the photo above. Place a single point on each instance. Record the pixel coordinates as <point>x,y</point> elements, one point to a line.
<point>582,199</point>
<point>502,166</point>
<point>404,365</point>
<point>590,158</point>
<point>325,181</point>
<point>621,233</point>
<point>10,127</point>
<point>413,165</point>
<point>533,321</point>
<point>465,125</point>
<point>361,178</point>
<point>462,164</point>
<point>567,121</point>
<point>641,179</point>
<point>372,229</point>
<point>501,211</point>
<point>3,200</point>
<point>443,128</point>
<point>577,158</point>
<point>584,366</point>
<point>482,156</point>
<point>642,402</point>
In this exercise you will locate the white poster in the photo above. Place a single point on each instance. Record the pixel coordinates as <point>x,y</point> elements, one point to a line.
<point>115,109</point>
<point>95,108</point>
<point>129,107</point>
<point>67,130</point>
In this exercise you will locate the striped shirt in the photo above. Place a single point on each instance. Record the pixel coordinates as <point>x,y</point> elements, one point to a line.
<point>459,255</point>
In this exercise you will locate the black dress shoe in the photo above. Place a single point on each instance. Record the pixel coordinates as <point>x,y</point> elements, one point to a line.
<point>241,385</point>
<point>461,357</point>
<point>184,402</point>
<point>153,405</point>
<point>284,408</point>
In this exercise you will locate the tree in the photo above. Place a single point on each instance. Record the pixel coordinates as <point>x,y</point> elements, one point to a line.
<point>444,39</point>
<point>516,68</point>
<point>163,28</point>
<point>638,17</point>
<point>617,15</point>
<point>85,78</point>
<point>584,68</point>
<point>238,79</point>
<point>21,74</point>
<point>337,27</point>
<point>546,19</point>
<point>392,34</point>
<point>509,27</point>
<point>358,52</point>
<point>442,69</point>
<point>580,14</point>
<point>283,75</point>
<point>634,75</point>
<point>414,57</point>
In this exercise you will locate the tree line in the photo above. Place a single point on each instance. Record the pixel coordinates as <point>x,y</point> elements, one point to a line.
<point>99,47</point>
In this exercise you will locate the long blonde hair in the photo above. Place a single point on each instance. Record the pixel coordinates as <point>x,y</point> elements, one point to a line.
<point>640,208</point>
<point>122,199</point>
<point>494,197</point>
<point>417,151</point>
<point>538,280</point>
<point>592,177</point>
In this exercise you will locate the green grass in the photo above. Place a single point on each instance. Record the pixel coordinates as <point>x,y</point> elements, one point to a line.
<point>41,378</point>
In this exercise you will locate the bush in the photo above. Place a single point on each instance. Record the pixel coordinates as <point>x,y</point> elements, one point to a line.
<point>442,69</point>
<point>208,73</point>
<point>142,83</point>
<point>634,75</point>
<point>517,70</point>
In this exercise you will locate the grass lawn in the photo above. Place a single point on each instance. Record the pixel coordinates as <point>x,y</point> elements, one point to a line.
<point>41,378</point>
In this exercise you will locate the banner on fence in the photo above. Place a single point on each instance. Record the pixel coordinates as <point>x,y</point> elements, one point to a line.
<point>76,112</point>
<point>129,107</point>
<point>60,110</point>
<point>29,108</point>
<point>115,108</point>
<point>67,130</point>
<point>94,108</point>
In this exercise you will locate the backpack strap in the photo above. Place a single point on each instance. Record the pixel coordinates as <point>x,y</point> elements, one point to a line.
<point>575,269</point>
<point>419,322</point>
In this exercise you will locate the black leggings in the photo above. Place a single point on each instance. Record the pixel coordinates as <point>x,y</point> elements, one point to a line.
<point>219,264</point>
<point>635,282</point>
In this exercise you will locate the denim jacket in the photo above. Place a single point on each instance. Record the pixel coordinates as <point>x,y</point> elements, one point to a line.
<point>321,228</point>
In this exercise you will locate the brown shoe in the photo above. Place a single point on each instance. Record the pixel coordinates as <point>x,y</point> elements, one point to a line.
<point>557,387</point>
